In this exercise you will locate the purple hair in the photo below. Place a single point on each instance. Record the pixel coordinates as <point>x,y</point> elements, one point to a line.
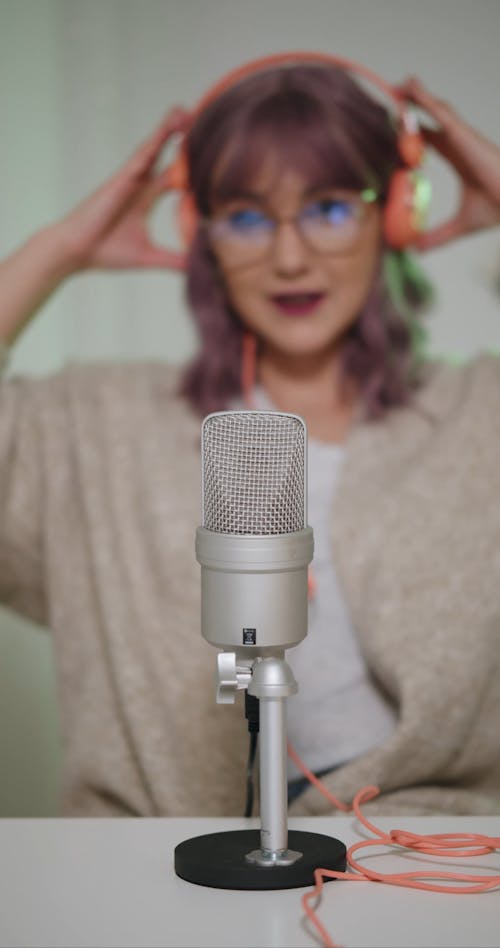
<point>323,125</point>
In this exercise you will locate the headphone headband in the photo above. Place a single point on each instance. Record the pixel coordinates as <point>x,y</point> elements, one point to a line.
<point>410,142</point>
<point>291,59</point>
<point>400,231</point>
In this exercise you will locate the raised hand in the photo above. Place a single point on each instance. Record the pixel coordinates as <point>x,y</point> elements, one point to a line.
<point>109,229</point>
<point>474,158</point>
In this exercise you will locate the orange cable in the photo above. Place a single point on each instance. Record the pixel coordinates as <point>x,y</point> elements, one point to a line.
<point>436,844</point>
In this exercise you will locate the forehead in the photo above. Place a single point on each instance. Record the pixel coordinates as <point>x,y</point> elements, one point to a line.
<point>261,161</point>
<point>275,183</point>
<point>275,180</point>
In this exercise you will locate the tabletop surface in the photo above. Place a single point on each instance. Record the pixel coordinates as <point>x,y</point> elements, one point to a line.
<point>111,882</point>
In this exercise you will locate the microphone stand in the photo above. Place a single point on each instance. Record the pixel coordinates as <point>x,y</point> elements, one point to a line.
<point>272,683</point>
<point>247,859</point>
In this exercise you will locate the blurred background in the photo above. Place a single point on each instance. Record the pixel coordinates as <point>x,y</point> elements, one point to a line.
<point>81,83</point>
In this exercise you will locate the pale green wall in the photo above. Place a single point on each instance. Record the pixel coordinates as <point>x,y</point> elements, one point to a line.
<point>30,748</point>
<point>30,754</point>
<point>81,81</point>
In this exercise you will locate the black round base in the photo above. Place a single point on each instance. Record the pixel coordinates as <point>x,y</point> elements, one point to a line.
<point>218,860</point>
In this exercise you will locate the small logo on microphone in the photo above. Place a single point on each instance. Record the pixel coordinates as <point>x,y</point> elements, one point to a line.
<point>249,636</point>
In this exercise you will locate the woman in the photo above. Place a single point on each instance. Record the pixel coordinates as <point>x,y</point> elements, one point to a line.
<point>100,472</point>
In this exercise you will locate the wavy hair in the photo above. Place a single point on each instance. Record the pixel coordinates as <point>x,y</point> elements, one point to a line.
<point>321,123</point>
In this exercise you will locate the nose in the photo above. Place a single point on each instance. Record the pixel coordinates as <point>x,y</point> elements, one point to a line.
<point>290,255</point>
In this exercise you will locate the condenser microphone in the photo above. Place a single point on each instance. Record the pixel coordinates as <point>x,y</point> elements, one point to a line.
<point>254,547</point>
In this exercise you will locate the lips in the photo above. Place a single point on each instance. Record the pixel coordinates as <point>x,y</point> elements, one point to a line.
<point>297,304</point>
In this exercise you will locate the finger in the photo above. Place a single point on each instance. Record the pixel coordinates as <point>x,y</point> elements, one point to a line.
<point>437,139</point>
<point>143,159</point>
<point>157,186</point>
<point>443,234</point>
<point>414,91</point>
<point>475,158</point>
<point>153,189</point>
<point>125,184</point>
<point>154,258</point>
<point>446,147</point>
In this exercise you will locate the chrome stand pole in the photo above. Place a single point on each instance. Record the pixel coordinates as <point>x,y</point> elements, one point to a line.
<point>272,682</point>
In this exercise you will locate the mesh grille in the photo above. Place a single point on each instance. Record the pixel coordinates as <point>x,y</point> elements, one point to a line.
<point>253,473</point>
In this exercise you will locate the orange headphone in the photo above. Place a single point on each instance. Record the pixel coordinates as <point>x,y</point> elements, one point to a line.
<point>404,210</point>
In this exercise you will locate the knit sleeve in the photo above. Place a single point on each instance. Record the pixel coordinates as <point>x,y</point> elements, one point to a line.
<point>21,500</point>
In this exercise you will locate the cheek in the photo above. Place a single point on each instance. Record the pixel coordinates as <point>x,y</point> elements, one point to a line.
<point>242,292</point>
<point>357,279</point>
<point>353,277</point>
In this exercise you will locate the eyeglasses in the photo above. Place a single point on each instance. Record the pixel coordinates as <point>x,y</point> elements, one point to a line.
<point>331,223</point>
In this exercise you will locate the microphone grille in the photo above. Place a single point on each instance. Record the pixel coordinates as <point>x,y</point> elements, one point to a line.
<point>254,472</point>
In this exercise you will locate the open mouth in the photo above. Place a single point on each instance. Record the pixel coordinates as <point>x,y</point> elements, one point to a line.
<point>297,304</point>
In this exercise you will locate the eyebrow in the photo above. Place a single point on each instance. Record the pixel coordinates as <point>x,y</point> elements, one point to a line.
<point>262,197</point>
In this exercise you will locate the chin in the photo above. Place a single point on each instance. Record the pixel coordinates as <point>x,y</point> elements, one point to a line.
<point>305,350</point>
<point>303,340</point>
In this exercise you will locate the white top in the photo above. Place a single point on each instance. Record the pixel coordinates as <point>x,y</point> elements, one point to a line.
<point>338,712</point>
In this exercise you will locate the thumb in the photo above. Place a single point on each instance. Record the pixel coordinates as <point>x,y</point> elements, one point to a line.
<point>155,257</point>
<point>438,236</point>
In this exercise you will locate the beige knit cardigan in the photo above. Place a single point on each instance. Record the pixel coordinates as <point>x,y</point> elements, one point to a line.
<point>99,501</point>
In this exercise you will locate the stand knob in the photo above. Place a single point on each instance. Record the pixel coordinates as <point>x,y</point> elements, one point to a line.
<point>230,677</point>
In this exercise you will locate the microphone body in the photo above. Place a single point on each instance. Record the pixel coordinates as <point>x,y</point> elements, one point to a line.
<point>254,546</point>
<point>254,590</point>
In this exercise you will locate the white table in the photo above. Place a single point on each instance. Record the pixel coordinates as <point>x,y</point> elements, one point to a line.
<point>111,883</point>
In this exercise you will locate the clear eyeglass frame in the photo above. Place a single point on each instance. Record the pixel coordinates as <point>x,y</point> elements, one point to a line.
<point>241,249</point>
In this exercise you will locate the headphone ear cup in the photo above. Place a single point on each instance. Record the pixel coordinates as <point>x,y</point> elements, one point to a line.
<point>411,148</point>
<point>187,218</point>
<point>402,218</point>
